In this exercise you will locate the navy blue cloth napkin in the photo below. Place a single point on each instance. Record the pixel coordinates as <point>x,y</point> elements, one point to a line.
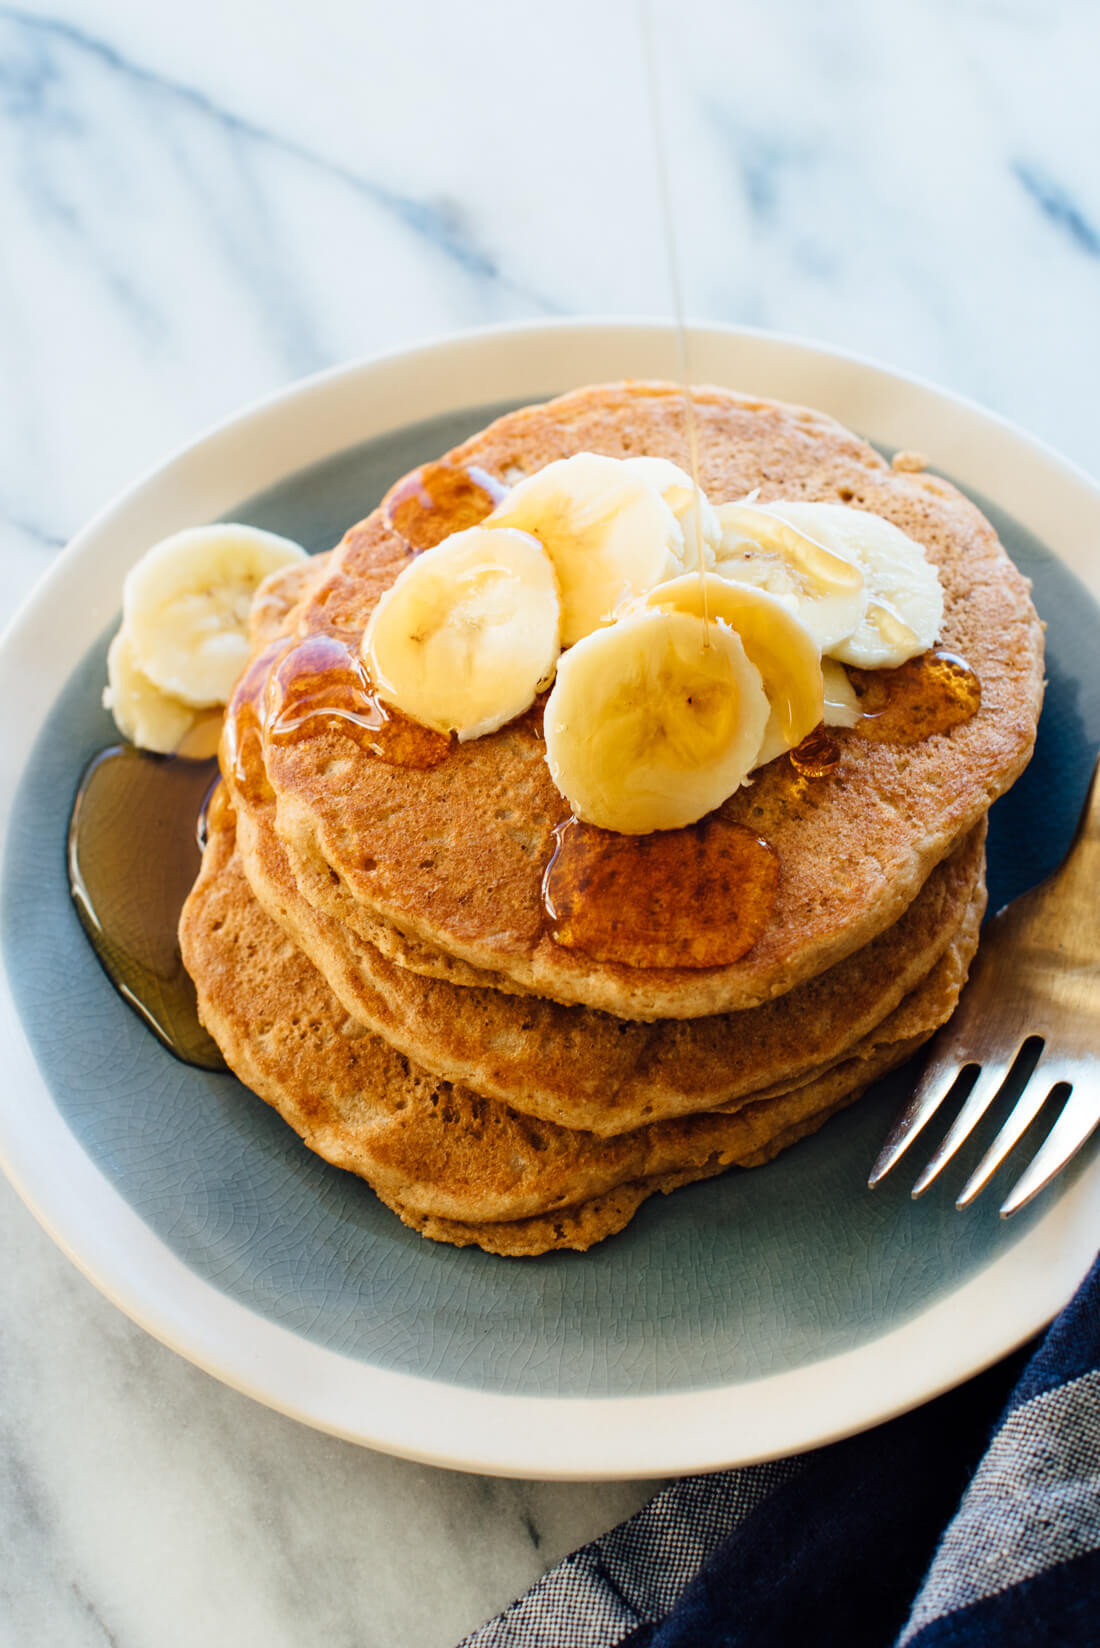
<point>974,1520</point>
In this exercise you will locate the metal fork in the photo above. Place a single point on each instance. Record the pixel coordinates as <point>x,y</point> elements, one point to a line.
<point>1036,976</point>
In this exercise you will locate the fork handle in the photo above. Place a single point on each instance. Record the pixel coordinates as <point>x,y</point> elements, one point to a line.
<point>1082,862</point>
<point>1058,917</point>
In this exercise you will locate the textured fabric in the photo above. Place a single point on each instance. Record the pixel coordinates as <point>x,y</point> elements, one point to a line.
<point>636,1572</point>
<point>973,1522</point>
<point>1033,1505</point>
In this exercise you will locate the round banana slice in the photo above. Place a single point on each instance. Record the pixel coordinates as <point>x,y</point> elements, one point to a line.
<point>653,722</point>
<point>905,598</point>
<point>185,606</point>
<point>608,532</point>
<point>775,641</point>
<point>468,633</point>
<point>761,548</point>
<point>841,704</point>
<point>147,717</point>
<point>692,508</point>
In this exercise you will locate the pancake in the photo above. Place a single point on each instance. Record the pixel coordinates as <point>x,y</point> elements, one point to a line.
<point>442,867</point>
<point>275,605</point>
<point>586,1223</point>
<point>459,1167</point>
<point>583,1068</point>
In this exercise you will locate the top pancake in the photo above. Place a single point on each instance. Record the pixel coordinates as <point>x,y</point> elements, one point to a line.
<point>451,858</point>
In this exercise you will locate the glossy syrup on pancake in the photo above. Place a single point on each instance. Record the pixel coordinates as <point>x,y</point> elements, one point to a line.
<point>322,677</point>
<point>697,897</point>
<point>438,499</point>
<point>817,755</point>
<point>134,852</point>
<point>930,694</point>
<point>295,684</point>
<point>700,897</point>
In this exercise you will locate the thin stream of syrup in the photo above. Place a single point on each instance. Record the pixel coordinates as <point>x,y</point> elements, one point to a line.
<point>672,257</point>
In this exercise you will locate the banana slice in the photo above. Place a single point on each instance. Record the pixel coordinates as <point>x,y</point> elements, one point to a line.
<point>608,532</point>
<point>185,606</point>
<point>692,508</point>
<point>468,633</point>
<point>775,641</point>
<point>653,722</point>
<point>905,598</point>
<point>841,704</point>
<point>761,548</point>
<point>147,717</point>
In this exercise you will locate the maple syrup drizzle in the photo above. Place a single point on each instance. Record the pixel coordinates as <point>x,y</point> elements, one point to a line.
<point>438,499</point>
<point>212,813</point>
<point>242,746</point>
<point>301,686</point>
<point>696,897</point>
<point>672,262</point>
<point>929,694</point>
<point>817,756</point>
<point>133,857</point>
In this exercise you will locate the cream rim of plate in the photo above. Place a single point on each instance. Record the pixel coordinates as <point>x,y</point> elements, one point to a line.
<point>424,1419</point>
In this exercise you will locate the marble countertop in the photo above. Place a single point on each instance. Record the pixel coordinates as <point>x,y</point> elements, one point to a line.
<point>203,203</point>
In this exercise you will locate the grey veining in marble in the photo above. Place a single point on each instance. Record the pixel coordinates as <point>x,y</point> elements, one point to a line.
<point>142,1502</point>
<point>199,204</point>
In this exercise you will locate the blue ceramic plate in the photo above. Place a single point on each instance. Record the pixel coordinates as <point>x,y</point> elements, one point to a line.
<point>743,1317</point>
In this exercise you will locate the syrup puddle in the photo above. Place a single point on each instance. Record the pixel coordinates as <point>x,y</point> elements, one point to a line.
<point>133,857</point>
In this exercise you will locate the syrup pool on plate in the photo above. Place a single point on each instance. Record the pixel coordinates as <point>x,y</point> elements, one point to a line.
<point>133,856</point>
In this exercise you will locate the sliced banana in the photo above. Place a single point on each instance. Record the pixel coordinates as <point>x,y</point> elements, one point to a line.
<point>759,547</point>
<point>147,717</point>
<point>692,508</point>
<point>775,641</point>
<point>653,722</point>
<point>185,606</point>
<point>905,598</point>
<point>841,704</point>
<point>468,633</point>
<point>607,530</point>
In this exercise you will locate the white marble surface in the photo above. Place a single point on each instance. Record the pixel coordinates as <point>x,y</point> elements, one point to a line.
<point>199,204</point>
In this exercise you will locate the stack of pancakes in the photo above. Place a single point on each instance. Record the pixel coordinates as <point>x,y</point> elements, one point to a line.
<point>370,945</point>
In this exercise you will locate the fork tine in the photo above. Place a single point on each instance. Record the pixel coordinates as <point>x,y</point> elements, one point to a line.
<point>935,1083</point>
<point>1020,1118</point>
<point>1080,1116</point>
<point>991,1079</point>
